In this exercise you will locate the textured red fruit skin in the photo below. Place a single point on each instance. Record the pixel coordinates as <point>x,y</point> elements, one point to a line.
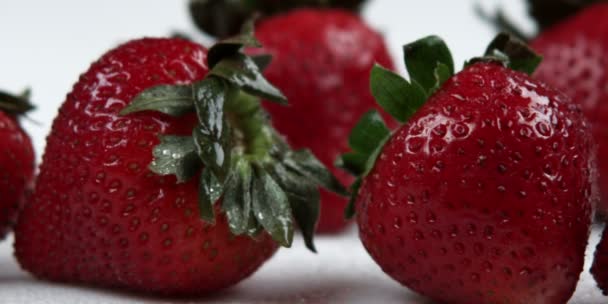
<point>99,216</point>
<point>484,196</point>
<point>16,170</point>
<point>321,61</point>
<point>574,61</point>
<point>599,269</point>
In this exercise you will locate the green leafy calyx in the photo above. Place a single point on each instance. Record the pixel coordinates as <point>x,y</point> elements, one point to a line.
<point>512,53</point>
<point>429,64</point>
<point>15,105</point>
<point>237,156</point>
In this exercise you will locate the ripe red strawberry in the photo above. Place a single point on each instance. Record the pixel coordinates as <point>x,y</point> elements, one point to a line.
<point>16,160</point>
<point>599,269</point>
<point>573,39</point>
<point>485,194</point>
<point>101,216</point>
<point>574,62</point>
<point>321,61</point>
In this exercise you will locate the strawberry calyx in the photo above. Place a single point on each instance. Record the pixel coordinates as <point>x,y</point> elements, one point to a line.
<point>16,105</point>
<point>263,184</point>
<point>546,13</point>
<point>429,63</point>
<point>223,18</point>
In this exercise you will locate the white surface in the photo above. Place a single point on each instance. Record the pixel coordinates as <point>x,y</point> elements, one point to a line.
<point>47,44</point>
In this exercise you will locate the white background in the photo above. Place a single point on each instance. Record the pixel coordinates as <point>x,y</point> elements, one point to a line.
<point>47,44</point>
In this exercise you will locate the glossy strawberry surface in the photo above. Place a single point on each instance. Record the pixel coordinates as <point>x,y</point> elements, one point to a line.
<point>574,61</point>
<point>321,62</point>
<point>16,170</point>
<point>99,216</point>
<point>485,195</point>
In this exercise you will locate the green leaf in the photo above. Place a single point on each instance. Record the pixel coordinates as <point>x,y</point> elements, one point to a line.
<point>442,74</point>
<point>209,192</point>
<point>231,46</point>
<point>174,100</point>
<point>305,163</point>
<point>369,132</point>
<point>350,210</point>
<point>352,162</point>
<point>421,58</point>
<point>271,208</point>
<point>213,133</point>
<point>243,72</point>
<point>15,104</point>
<point>215,154</point>
<point>175,155</point>
<point>521,57</point>
<point>304,200</point>
<point>237,198</point>
<point>262,61</point>
<point>394,94</point>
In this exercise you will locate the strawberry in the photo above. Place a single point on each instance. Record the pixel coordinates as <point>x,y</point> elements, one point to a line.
<point>162,175</point>
<point>321,61</point>
<point>572,40</point>
<point>599,269</point>
<point>16,159</point>
<point>485,193</point>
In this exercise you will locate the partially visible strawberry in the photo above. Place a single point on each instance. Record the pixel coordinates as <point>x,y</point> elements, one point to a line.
<point>184,191</point>
<point>599,269</point>
<point>573,38</point>
<point>16,159</point>
<point>485,194</point>
<point>321,61</point>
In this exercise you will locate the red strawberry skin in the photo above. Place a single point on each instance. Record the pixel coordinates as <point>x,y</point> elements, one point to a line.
<point>484,196</point>
<point>575,62</point>
<point>99,216</point>
<point>16,170</point>
<point>321,62</point>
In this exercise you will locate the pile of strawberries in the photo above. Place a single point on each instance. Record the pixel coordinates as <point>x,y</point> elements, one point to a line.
<point>177,170</point>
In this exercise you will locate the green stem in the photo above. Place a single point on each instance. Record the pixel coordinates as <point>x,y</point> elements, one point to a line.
<point>253,137</point>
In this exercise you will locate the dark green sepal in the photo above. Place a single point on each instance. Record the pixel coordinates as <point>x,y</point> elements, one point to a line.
<point>350,210</point>
<point>304,199</point>
<point>212,136</point>
<point>365,140</point>
<point>306,164</point>
<point>262,61</point>
<point>442,74</point>
<point>209,192</point>
<point>237,198</point>
<point>520,57</point>
<point>368,133</point>
<point>394,94</point>
<point>176,155</point>
<point>233,45</point>
<point>174,100</point>
<point>16,104</point>
<point>213,153</point>
<point>352,162</point>
<point>271,208</point>
<point>421,58</point>
<point>244,73</point>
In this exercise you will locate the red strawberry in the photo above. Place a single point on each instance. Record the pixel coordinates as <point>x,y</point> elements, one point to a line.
<point>101,216</point>
<point>485,194</point>
<point>321,61</point>
<point>574,62</point>
<point>573,39</point>
<point>16,160</point>
<point>600,263</point>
